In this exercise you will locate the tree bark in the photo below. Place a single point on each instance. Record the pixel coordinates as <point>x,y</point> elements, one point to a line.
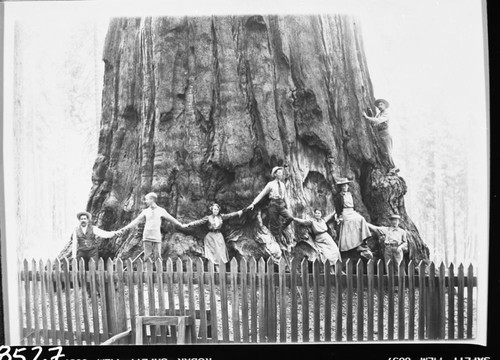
<point>201,109</point>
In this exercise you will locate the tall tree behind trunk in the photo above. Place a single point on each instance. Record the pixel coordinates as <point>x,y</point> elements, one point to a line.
<point>444,232</point>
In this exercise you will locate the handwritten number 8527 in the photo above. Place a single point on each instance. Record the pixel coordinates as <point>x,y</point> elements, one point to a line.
<point>5,353</point>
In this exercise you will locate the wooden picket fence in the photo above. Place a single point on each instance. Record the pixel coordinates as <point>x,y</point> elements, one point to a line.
<point>247,302</point>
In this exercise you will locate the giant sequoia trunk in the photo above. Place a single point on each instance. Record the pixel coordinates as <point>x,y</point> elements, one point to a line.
<point>200,109</point>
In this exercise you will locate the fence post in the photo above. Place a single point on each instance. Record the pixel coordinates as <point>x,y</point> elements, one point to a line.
<point>110,298</point>
<point>262,302</point>
<point>294,302</point>
<point>349,319</point>
<point>305,300</point>
<point>338,300</point>
<point>316,300</point>
<point>411,300</point>
<point>442,306</point>
<point>370,299</point>
<point>380,299</point>
<point>401,301</point>
<point>470,300</point>
<point>253,300</point>
<point>328,300</point>
<point>460,302</point>
<point>451,302</point>
<point>121,312</point>
<point>422,303</point>
<point>360,301</point>
<point>432,297</point>
<point>271,301</point>
<point>390,300</point>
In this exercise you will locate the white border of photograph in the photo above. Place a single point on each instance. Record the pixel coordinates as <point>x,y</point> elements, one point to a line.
<point>363,8</point>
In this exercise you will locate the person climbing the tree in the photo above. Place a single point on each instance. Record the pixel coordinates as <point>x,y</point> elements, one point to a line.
<point>83,240</point>
<point>324,243</point>
<point>381,122</point>
<point>394,241</point>
<point>278,205</point>
<point>353,228</point>
<point>215,247</point>
<point>151,236</point>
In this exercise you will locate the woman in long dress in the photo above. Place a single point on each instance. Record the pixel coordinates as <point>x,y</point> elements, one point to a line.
<point>214,244</point>
<point>353,227</point>
<point>324,243</point>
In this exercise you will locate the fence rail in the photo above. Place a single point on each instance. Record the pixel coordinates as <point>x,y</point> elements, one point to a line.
<point>247,302</point>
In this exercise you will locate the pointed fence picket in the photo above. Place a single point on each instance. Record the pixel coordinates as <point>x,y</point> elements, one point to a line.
<point>244,301</point>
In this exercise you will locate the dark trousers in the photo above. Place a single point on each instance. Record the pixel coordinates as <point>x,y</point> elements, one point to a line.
<point>86,255</point>
<point>276,209</point>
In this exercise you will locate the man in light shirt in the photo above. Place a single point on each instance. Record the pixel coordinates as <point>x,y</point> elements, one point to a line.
<point>381,123</point>
<point>151,236</point>
<point>83,239</point>
<point>278,205</point>
<point>394,241</point>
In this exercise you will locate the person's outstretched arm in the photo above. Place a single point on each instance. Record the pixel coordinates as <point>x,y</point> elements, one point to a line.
<point>133,223</point>
<point>196,223</point>
<point>259,197</point>
<point>103,233</point>
<point>373,227</point>
<point>302,221</point>
<point>330,217</point>
<point>231,215</point>
<point>171,219</point>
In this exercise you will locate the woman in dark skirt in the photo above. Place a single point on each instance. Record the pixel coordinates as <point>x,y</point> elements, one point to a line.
<point>215,246</point>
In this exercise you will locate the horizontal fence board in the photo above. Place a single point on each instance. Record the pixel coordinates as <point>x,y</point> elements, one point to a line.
<point>467,282</point>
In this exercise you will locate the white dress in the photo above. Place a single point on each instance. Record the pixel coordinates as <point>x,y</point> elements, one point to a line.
<point>354,228</point>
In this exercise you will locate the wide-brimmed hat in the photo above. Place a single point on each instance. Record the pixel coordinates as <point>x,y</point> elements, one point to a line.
<point>382,101</point>
<point>343,181</point>
<point>276,168</point>
<point>394,216</point>
<point>89,215</point>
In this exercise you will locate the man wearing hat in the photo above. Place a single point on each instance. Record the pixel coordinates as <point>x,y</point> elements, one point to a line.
<point>381,122</point>
<point>84,244</point>
<point>394,241</point>
<point>278,205</point>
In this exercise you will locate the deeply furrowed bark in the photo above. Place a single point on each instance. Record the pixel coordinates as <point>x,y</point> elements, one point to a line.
<point>200,109</point>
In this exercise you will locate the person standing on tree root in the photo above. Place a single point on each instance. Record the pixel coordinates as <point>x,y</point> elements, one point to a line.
<point>353,228</point>
<point>278,206</point>
<point>381,122</point>
<point>215,247</point>
<point>324,243</point>
<point>83,240</point>
<point>394,241</point>
<point>151,236</point>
